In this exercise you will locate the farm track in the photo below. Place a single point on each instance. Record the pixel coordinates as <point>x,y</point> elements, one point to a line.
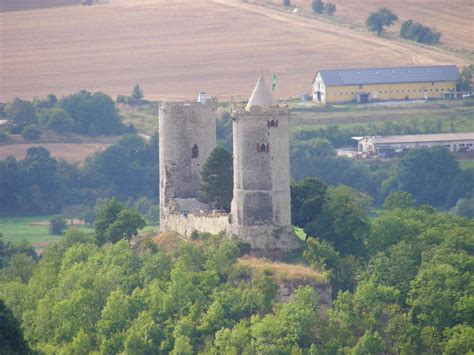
<point>176,49</point>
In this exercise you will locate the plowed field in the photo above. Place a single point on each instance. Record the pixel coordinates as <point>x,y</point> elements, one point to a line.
<point>175,49</point>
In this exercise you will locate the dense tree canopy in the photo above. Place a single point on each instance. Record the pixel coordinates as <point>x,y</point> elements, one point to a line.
<point>20,114</point>
<point>217,179</point>
<point>378,20</point>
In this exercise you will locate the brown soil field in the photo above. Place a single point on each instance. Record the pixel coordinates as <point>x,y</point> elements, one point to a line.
<point>453,18</point>
<point>174,49</point>
<point>15,5</point>
<point>72,152</point>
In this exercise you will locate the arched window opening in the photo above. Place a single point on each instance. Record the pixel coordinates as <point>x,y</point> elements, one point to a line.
<point>272,123</point>
<point>195,151</point>
<point>263,148</point>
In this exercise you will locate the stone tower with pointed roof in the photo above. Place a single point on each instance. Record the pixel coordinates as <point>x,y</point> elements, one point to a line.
<point>261,212</point>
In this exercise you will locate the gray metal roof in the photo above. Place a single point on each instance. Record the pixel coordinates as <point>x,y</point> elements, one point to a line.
<point>423,138</point>
<point>338,77</point>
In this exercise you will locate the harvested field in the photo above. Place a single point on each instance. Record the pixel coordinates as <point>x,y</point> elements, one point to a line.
<point>175,49</point>
<point>454,18</point>
<point>15,5</point>
<point>72,152</point>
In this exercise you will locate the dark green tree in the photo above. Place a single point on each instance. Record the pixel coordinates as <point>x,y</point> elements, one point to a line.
<point>343,221</point>
<point>317,6</point>
<point>465,79</point>
<point>11,337</point>
<point>378,20</point>
<point>217,179</point>
<point>428,174</point>
<point>31,132</point>
<point>419,33</point>
<point>399,199</point>
<point>137,93</point>
<point>20,114</point>
<point>93,113</point>
<point>59,120</point>
<point>330,8</point>
<point>113,221</point>
<point>57,225</point>
<point>307,200</point>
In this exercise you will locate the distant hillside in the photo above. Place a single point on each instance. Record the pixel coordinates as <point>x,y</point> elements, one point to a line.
<point>15,5</point>
<point>174,49</point>
<point>453,18</point>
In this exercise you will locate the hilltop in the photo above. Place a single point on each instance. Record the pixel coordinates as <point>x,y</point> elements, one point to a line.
<point>176,49</point>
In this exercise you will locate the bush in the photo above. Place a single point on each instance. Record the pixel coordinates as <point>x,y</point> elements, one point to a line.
<point>417,32</point>
<point>57,225</point>
<point>330,8</point>
<point>286,3</point>
<point>59,120</point>
<point>31,132</point>
<point>377,21</point>
<point>3,136</point>
<point>318,6</point>
<point>20,114</point>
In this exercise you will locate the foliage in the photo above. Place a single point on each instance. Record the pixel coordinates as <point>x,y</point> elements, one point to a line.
<point>465,207</point>
<point>343,221</point>
<point>11,336</point>
<point>411,294</point>
<point>307,200</point>
<point>57,225</point>
<point>465,79</point>
<point>31,132</point>
<point>93,114</point>
<point>40,183</point>
<point>113,221</point>
<point>428,174</point>
<point>330,8</point>
<point>318,6</point>
<point>419,33</point>
<point>20,114</point>
<point>398,199</point>
<point>58,120</point>
<point>137,93</point>
<point>286,3</point>
<point>217,179</point>
<point>378,20</point>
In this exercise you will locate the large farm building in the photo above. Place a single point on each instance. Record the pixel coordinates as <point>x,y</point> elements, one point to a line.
<point>390,145</point>
<point>402,83</point>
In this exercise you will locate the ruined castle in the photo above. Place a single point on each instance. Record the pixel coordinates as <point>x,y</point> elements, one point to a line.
<point>260,211</point>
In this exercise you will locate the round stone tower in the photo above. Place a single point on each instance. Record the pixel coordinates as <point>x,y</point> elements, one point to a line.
<point>261,211</point>
<point>187,138</point>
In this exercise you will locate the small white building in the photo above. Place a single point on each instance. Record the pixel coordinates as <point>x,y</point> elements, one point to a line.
<point>390,145</point>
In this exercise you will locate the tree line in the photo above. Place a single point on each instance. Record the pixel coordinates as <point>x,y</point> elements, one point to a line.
<point>39,183</point>
<point>401,284</point>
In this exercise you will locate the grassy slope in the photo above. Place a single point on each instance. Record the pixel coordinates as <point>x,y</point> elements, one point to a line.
<point>20,228</point>
<point>452,114</point>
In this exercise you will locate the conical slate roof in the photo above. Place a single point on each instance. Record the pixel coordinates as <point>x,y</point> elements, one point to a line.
<point>261,96</point>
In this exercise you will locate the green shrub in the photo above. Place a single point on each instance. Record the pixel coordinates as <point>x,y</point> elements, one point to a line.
<point>57,225</point>
<point>417,32</point>
<point>59,120</point>
<point>31,132</point>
